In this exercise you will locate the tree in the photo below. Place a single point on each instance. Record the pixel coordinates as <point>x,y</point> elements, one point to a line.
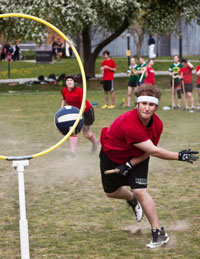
<point>138,29</point>
<point>79,17</point>
<point>165,17</point>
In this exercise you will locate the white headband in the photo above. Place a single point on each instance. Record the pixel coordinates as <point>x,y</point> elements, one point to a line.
<point>145,98</point>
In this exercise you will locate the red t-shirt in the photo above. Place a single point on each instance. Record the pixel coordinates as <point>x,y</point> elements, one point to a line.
<point>107,73</point>
<point>150,79</point>
<point>117,141</point>
<point>74,97</point>
<point>187,74</point>
<point>198,79</point>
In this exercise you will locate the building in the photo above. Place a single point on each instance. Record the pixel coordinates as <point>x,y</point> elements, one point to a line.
<point>165,46</point>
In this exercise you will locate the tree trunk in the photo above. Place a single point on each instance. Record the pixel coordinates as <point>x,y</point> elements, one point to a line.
<point>89,56</point>
<point>138,32</point>
<point>89,61</point>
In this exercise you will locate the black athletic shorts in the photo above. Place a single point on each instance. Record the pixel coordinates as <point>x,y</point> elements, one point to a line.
<point>177,83</point>
<point>132,84</point>
<point>198,86</point>
<point>136,178</point>
<point>188,88</point>
<point>108,85</point>
<point>89,117</point>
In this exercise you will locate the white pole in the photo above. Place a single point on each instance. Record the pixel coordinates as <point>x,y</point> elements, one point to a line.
<point>20,165</point>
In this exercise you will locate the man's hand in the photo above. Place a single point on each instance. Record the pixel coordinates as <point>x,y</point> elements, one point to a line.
<point>125,168</point>
<point>188,156</point>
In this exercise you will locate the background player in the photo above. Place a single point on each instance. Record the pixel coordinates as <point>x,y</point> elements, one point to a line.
<point>185,73</point>
<point>141,66</point>
<point>73,95</point>
<point>175,81</point>
<point>127,145</point>
<point>132,81</point>
<point>198,86</point>
<point>150,73</point>
<point>108,67</point>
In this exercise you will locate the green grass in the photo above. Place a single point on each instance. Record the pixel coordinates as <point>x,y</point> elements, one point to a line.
<point>69,66</point>
<point>67,211</point>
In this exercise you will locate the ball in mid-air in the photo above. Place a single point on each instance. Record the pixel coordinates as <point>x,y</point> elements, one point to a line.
<point>65,118</point>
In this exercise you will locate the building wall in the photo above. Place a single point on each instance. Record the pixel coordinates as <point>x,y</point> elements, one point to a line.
<point>165,46</point>
<point>190,40</point>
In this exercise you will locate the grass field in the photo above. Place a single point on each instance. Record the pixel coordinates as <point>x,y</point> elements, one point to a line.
<point>67,211</point>
<point>69,66</point>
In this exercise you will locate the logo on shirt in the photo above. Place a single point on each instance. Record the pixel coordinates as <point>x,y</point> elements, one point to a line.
<point>141,181</point>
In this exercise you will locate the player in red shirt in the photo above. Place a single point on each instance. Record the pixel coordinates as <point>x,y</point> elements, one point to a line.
<point>185,73</point>
<point>150,73</point>
<point>198,86</point>
<point>126,146</point>
<point>108,67</point>
<point>72,95</point>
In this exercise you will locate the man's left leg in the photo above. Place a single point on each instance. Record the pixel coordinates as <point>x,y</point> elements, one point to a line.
<point>159,235</point>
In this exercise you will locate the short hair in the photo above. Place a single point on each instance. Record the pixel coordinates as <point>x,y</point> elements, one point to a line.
<point>106,52</point>
<point>147,89</point>
<point>177,56</point>
<point>150,60</point>
<point>70,77</point>
<point>184,60</point>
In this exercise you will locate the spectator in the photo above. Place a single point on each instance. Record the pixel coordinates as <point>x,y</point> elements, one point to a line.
<point>175,81</point>
<point>108,67</point>
<point>16,51</point>
<point>185,73</point>
<point>150,73</point>
<point>151,45</point>
<point>198,86</point>
<point>57,49</point>
<point>5,50</point>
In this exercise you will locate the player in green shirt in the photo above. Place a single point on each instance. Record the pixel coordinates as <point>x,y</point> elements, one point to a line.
<point>132,81</point>
<point>175,82</point>
<point>140,68</point>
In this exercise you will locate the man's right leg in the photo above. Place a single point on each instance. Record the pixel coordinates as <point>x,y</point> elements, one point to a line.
<point>125,194</point>
<point>121,193</point>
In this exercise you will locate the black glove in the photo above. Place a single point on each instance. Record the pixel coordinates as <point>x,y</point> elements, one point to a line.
<point>124,169</point>
<point>188,156</point>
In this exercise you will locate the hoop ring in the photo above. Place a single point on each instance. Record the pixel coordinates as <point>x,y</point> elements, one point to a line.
<point>84,88</point>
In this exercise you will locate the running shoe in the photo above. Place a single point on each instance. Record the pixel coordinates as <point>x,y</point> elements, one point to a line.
<point>160,238</point>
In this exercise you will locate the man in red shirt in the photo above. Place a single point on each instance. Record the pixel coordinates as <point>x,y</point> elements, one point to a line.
<point>150,73</point>
<point>73,95</point>
<point>185,73</point>
<point>108,67</point>
<point>198,86</point>
<point>126,146</point>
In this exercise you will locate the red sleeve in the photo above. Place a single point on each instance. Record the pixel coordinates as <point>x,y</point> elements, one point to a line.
<point>159,132</point>
<point>62,92</point>
<point>80,94</point>
<point>180,71</point>
<point>114,64</point>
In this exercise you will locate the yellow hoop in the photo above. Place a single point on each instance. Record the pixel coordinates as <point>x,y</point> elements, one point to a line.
<point>83,78</point>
